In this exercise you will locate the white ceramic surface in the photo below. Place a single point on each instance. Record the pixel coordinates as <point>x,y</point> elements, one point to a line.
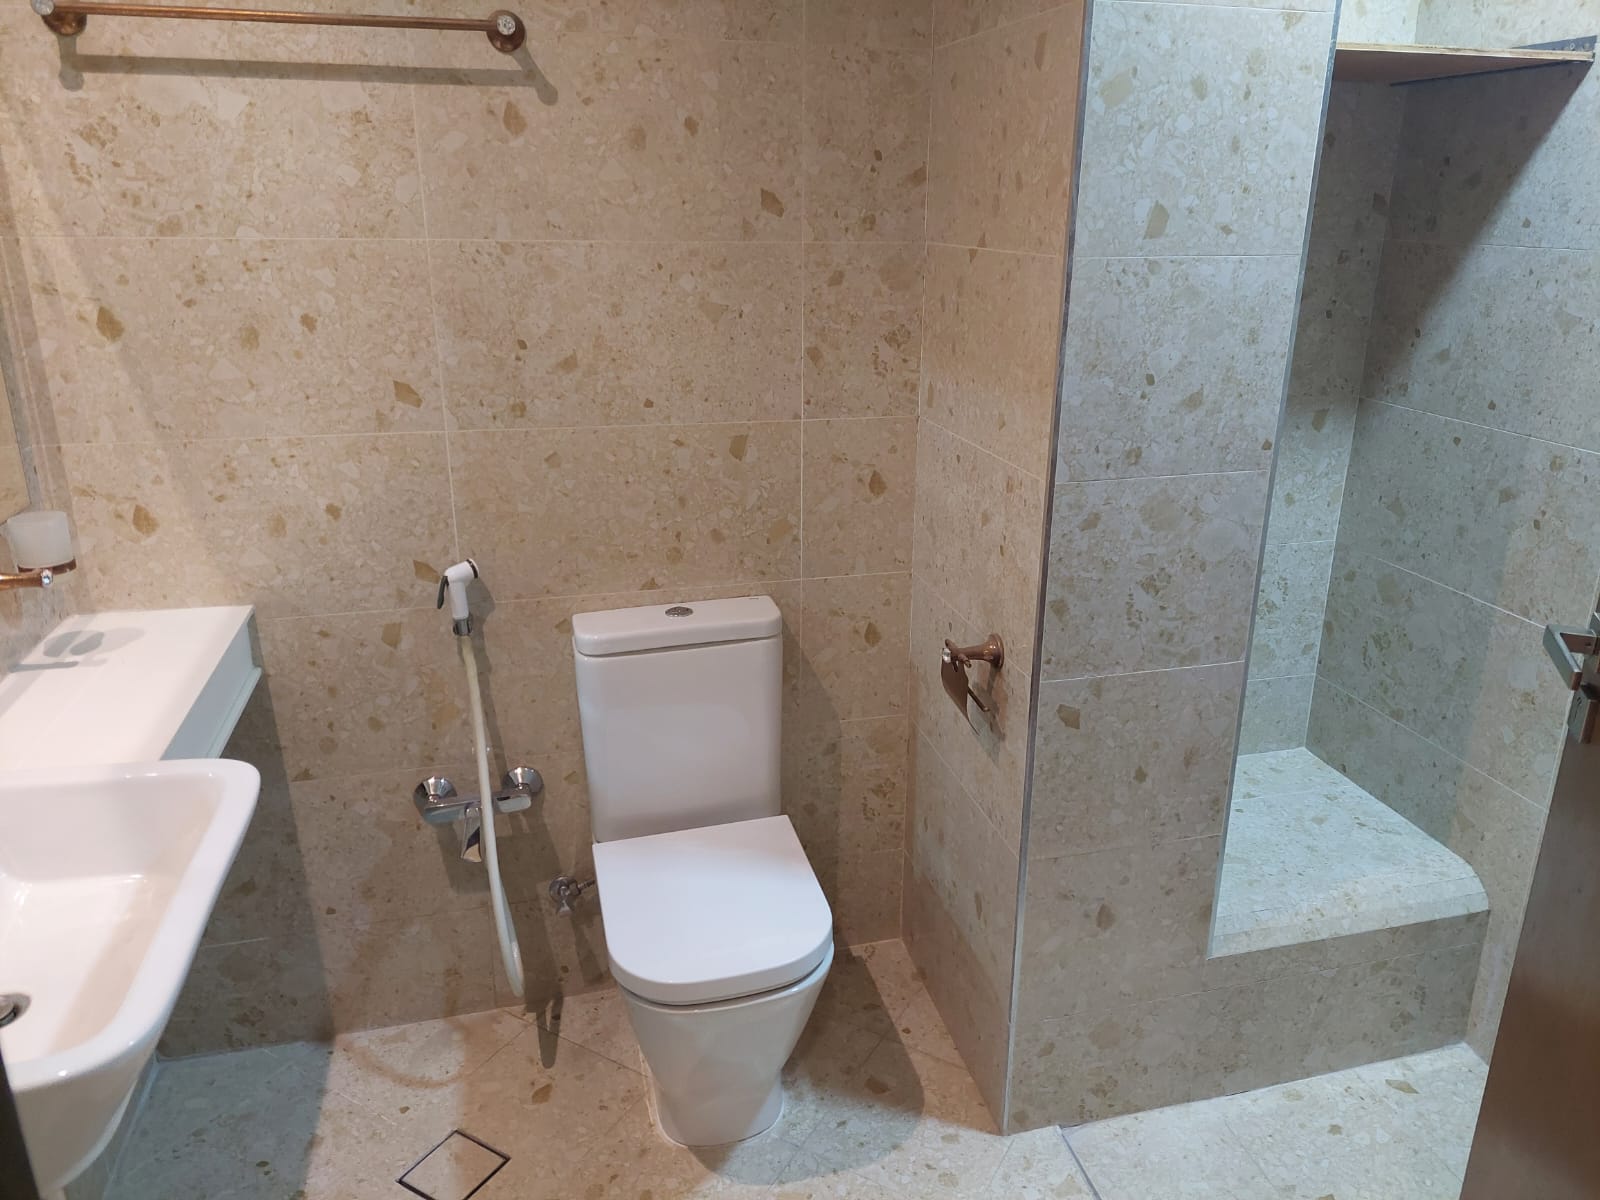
<point>680,724</point>
<point>715,1068</point>
<point>108,875</point>
<point>129,687</point>
<point>715,924</point>
<point>701,915</point>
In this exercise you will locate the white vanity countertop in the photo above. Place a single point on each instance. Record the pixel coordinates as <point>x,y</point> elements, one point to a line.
<point>123,687</point>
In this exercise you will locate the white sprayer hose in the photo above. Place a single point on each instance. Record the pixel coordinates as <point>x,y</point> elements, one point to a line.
<point>510,952</point>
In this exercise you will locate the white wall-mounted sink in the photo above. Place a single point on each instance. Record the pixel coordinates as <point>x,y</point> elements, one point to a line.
<point>108,875</point>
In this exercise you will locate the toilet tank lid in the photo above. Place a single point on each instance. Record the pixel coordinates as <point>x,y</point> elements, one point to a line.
<point>662,626</point>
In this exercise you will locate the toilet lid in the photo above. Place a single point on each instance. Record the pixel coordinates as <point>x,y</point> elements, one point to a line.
<point>699,915</point>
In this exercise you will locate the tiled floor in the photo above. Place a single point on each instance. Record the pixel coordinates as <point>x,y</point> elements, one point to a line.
<point>1309,855</point>
<point>879,1108</point>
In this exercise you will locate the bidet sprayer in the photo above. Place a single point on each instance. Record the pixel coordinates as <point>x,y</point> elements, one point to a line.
<point>454,581</point>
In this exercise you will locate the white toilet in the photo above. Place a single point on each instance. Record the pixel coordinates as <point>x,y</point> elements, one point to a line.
<point>718,933</point>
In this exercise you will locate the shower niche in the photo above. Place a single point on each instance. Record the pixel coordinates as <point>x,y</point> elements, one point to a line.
<point>1398,737</point>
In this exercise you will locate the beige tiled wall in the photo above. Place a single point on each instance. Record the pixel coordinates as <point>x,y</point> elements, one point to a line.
<point>1005,87</point>
<point>1200,142</point>
<point>1349,221</point>
<point>1475,463</point>
<point>632,319</point>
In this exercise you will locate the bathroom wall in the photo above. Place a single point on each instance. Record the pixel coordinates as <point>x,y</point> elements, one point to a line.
<point>1001,162</point>
<point>1349,221</point>
<point>1200,145</point>
<point>1468,517</point>
<point>309,314</point>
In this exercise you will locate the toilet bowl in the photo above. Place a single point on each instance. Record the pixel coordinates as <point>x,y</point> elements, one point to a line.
<point>718,933</point>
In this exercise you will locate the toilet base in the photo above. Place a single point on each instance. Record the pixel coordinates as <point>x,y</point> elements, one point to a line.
<point>716,1120</point>
<point>716,1069</point>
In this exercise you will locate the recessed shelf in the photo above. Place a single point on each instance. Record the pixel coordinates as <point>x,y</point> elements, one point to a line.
<point>1365,62</point>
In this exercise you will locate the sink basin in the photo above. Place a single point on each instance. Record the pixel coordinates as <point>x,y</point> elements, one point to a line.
<point>107,877</point>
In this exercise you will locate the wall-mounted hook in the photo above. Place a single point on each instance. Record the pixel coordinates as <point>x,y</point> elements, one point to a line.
<point>953,669</point>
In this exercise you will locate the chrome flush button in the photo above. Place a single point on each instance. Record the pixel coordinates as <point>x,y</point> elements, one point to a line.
<point>679,610</point>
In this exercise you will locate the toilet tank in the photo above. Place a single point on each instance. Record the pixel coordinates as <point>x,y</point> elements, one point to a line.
<point>681,708</point>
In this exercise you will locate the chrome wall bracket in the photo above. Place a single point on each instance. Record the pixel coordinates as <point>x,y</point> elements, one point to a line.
<point>438,802</point>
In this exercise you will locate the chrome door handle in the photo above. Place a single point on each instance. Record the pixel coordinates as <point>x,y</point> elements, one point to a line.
<point>1569,647</point>
<point>1576,653</point>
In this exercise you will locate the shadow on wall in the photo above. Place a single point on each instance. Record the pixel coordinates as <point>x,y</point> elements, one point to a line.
<point>1528,104</point>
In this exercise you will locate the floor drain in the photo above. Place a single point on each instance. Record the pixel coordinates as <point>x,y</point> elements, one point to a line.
<point>12,1006</point>
<point>454,1169</point>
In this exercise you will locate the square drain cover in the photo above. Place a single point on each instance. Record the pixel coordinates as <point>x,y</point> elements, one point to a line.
<point>454,1169</point>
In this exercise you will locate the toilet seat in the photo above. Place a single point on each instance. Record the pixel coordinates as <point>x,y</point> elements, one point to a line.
<point>700,915</point>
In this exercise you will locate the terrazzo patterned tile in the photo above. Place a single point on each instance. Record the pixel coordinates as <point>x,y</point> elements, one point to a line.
<point>1503,160</point>
<point>988,752</point>
<point>1148,574</point>
<point>1337,1136</point>
<point>1182,1153</point>
<point>242,339</point>
<point>1380,21</point>
<point>1497,516</point>
<point>1174,366</point>
<point>1276,713</point>
<point>290,525</point>
<point>992,338</point>
<point>689,140</point>
<point>1436,1095</point>
<point>1469,677</point>
<point>1520,375</point>
<point>976,540</point>
<point>113,153</point>
<point>868,1117</point>
<point>1110,927</point>
<point>690,333</point>
<point>863,323</point>
<point>860,486</point>
<point>735,20</point>
<point>865,147</point>
<point>1201,130</point>
<point>1311,856</point>
<point>845,790</point>
<point>705,504</point>
<point>976,1013</point>
<point>1289,608</point>
<point>971,869</point>
<point>1004,110</point>
<point>907,23</point>
<point>1147,789</point>
<point>854,636</point>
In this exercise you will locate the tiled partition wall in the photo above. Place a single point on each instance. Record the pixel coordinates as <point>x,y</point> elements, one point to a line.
<point>1006,79</point>
<point>1470,514</point>
<point>1200,143</point>
<point>1349,219</point>
<point>307,315</point>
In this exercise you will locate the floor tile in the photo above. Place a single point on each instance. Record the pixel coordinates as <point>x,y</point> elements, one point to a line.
<point>596,1021</point>
<point>454,1169</point>
<point>1337,1136</point>
<point>400,1069</point>
<point>1182,1153</point>
<point>928,1134</point>
<point>877,1107</point>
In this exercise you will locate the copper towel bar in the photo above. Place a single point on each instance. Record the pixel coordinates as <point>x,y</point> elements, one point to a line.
<point>505,30</point>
